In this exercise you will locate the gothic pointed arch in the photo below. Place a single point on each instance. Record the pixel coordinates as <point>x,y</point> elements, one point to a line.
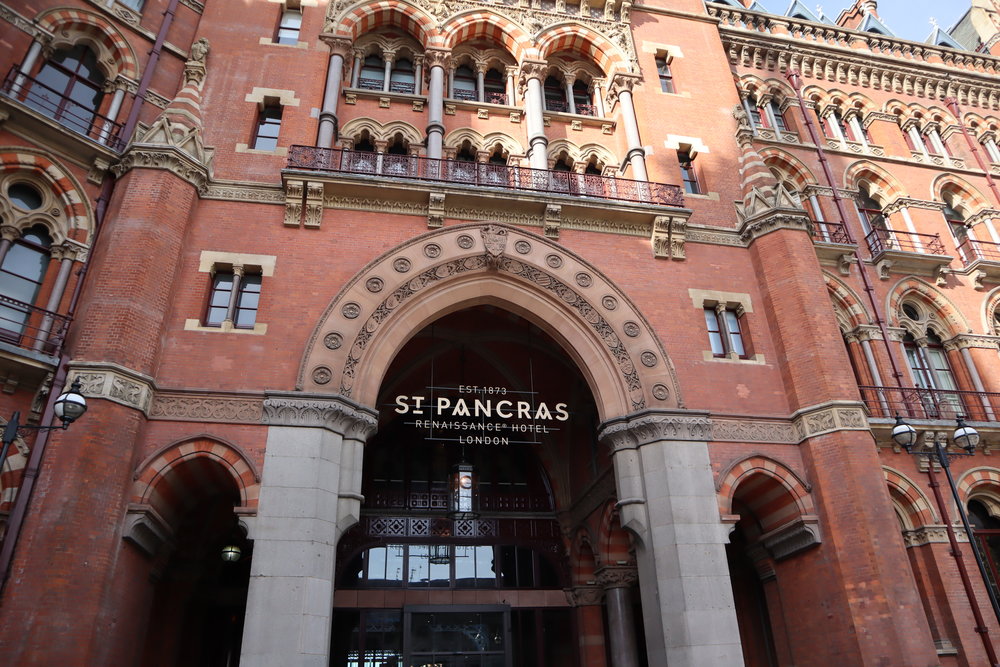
<point>846,302</point>
<point>115,56</point>
<point>477,24</point>
<point>991,313</point>
<point>364,17</point>
<point>789,166</point>
<point>74,211</point>
<point>583,42</point>
<point>769,488</point>
<point>912,505</point>
<point>959,194</point>
<point>602,331</point>
<point>943,312</point>
<point>983,484</point>
<point>156,483</point>
<point>882,186</point>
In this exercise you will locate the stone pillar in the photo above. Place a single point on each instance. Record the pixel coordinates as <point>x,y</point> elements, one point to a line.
<point>599,97</point>
<point>534,110</point>
<point>916,139</point>
<point>667,499</point>
<point>992,149</point>
<point>858,131</point>
<point>437,61</point>
<point>359,59</point>
<point>621,89</point>
<point>570,102</point>
<point>617,581</point>
<point>418,75</point>
<point>838,132</point>
<point>8,234</point>
<point>511,72</point>
<point>389,57</point>
<point>310,493</point>
<point>30,58</point>
<point>66,254</point>
<point>937,142</point>
<point>481,82</point>
<point>339,48</point>
<point>113,109</point>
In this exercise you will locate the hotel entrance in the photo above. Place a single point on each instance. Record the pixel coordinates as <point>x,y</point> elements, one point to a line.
<point>460,559</point>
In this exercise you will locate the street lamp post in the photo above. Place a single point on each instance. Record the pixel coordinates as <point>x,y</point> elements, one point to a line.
<point>966,438</point>
<point>69,407</point>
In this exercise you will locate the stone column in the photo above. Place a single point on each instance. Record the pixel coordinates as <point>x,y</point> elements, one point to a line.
<point>531,80</point>
<point>621,89</point>
<point>916,139</point>
<point>339,48</point>
<point>838,132</point>
<point>858,131</point>
<point>617,581</point>
<point>359,59</point>
<point>437,61</point>
<point>418,75</point>
<point>992,149</point>
<point>937,142</point>
<point>389,57</point>
<point>570,102</point>
<point>481,82</point>
<point>8,234</point>
<point>310,493</point>
<point>113,109</point>
<point>667,499</point>
<point>511,72</point>
<point>599,97</point>
<point>30,58</point>
<point>66,254</point>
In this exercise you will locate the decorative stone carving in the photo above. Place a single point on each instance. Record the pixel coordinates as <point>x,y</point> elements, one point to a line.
<point>644,427</point>
<point>114,383</point>
<point>585,596</point>
<point>168,158</point>
<point>322,375</point>
<point>465,241</point>
<point>584,279</point>
<point>351,310</point>
<point>495,242</point>
<point>660,392</point>
<point>554,261</point>
<point>648,359</point>
<point>334,413</point>
<point>553,220</point>
<point>333,341</point>
<point>189,406</point>
<point>936,534</point>
<point>745,430</point>
<point>829,417</point>
<point>435,210</point>
<point>314,205</point>
<point>522,247</point>
<point>792,538</point>
<point>432,250</point>
<point>147,530</point>
<point>669,236</point>
<point>631,329</point>
<point>294,193</point>
<point>754,228</point>
<point>374,285</point>
<point>617,576</point>
<point>401,265</point>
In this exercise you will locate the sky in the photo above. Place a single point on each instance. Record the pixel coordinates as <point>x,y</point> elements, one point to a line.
<point>907,19</point>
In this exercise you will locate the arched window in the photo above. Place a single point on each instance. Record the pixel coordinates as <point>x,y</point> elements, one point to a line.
<point>753,109</point>
<point>835,127</point>
<point>582,100</point>
<point>956,223</point>
<point>555,95</point>
<point>372,73</point>
<point>362,159</point>
<point>496,92</point>
<point>562,164</point>
<point>21,276</point>
<point>931,372</point>
<point>986,528</point>
<point>464,84</point>
<point>402,79</point>
<point>870,210</point>
<point>69,88</point>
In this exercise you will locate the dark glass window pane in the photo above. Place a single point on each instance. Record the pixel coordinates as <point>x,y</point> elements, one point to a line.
<point>24,196</point>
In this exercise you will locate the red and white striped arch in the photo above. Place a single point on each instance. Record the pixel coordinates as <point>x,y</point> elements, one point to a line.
<point>774,493</point>
<point>370,16</point>
<point>910,500</point>
<point>980,481</point>
<point>65,189</point>
<point>106,38</point>
<point>482,25</point>
<point>177,472</point>
<point>584,42</point>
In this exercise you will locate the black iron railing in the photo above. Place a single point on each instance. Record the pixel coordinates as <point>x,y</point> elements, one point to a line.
<point>496,98</point>
<point>370,84</point>
<point>483,174</point>
<point>830,232</point>
<point>882,240</point>
<point>62,109</point>
<point>972,250</point>
<point>464,95</point>
<point>30,327</point>
<point>917,403</point>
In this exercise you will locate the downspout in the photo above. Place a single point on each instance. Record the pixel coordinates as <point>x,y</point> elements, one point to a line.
<point>795,80</point>
<point>952,103</point>
<point>33,465</point>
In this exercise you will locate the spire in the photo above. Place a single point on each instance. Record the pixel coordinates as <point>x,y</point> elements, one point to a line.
<point>180,124</point>
<point>762,193</point>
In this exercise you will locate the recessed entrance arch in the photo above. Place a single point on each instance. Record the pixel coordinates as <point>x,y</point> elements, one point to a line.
<point>444,271</point>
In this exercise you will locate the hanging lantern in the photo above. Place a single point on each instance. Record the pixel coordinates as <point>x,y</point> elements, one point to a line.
<point>464,502</point>
<point>231,553</point>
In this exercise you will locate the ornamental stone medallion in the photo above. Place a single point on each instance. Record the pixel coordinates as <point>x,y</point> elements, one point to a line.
<point>533,276</point>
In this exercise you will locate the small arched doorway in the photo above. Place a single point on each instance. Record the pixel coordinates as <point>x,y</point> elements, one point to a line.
<point>415,585</point>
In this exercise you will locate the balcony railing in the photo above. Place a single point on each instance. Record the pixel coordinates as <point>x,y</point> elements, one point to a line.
<point>916,403</point>
<point>370,84</point>
<point>62,109</point>
<point>556,105</point>
<point>830,232</point>
<point>29,327</point>
<point>972,250</point>
<point>483,174</point>
<point>882,240</point>
<point>465,95</point>
<point>406,87</point>
<point>496,98</point>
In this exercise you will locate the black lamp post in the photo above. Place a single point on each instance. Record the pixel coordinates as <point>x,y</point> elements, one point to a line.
<point>69,407</point>
<point>966,438</point>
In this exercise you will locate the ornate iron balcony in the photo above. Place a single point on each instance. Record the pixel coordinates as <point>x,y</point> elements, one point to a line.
<point>30,327</point>
<point>67,112</point>
<point>917,403</point>
<point>481,174</point>
<point>883,240</point>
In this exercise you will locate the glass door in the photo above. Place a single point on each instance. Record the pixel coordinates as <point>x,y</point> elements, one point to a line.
<point>457,636</point>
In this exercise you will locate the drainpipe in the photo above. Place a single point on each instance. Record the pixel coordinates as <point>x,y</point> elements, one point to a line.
<point>795,80</point>
<point>33,465</point>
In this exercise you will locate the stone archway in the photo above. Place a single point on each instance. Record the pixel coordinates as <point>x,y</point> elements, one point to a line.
<point>447,270</point>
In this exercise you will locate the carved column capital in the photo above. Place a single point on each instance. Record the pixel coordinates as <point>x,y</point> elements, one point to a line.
<point>622,82</point>
<point>437,58</point>
<point>585,596</point>
<point>646,426</point>
<point>617,576</point>
<point>533,69</point>
<point>334,413</point>
<point>9,233</point>
<point>339,46</point>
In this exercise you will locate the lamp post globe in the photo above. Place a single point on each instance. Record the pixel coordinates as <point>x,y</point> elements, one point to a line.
<point>965,436</point>
<point>70,405</point>
<point>903,434</point>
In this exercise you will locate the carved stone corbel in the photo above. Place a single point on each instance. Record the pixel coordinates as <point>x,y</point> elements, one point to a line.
<point>314,205</point>
<point>844,263</point>
<point>294,192</point>
<point>883,267</point>
<point>553,220</point>
<point>435,210</point>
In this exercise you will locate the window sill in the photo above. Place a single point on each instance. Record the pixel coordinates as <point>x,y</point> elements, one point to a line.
<point>685,93</point>
<point>757,359</point>
<point>268,41</point>
<point>259,329</point>
<point>713,196</point>
<point>280,150</point>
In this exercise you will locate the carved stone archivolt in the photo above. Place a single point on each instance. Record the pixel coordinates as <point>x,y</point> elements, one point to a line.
<point>531,274</point>
<point>113,382</point>
<point>334,413</point>
<point>617,576</point>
